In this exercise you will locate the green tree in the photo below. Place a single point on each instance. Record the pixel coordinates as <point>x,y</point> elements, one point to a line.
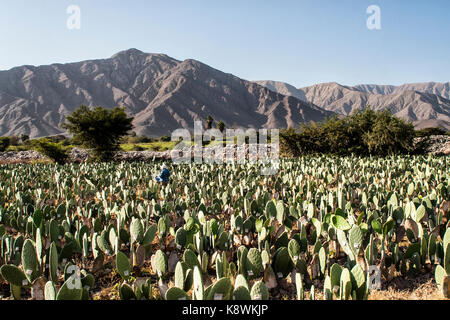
<point>209,122</point>
<point>24,138</point>
<point>434,131</point>
<point>363,133</point>
<point>55,151</point>
<point>99,129</point>
<point>4,143</point>
<point>390,135</point>
<point>221,126</point>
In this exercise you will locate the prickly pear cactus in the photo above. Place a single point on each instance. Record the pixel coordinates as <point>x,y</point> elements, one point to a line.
<point>70,290</point>
<point>126,292</point>
<point>123,265</point>
<point>136,230</point>
<point>259,291</point>
<point>355,238</point>
<point>176,293</point>
<point>221,290</point>
<point>198,284</point>
<point>335,278</point>
<point>191,259</point>
<point>358,279</point>
<point>282,264</point>
<point>14,275</point>
<point>30,262</point>
<point>53,263</point>
<point>161,263</point>
<point>254,263</point>
<point>345,285</point>
<point>241,294</point>
<point>50,291</point>
<point>180,274</point>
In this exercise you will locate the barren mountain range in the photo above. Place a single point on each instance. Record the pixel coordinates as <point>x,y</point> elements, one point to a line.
<point>424,104</point>
<point>164,94</point>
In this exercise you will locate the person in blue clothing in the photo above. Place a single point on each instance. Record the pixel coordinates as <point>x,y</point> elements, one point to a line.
<point>164,176</point>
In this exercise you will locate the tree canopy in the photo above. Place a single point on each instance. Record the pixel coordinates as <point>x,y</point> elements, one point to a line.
<point>99,129</point>
<point>365,132</point>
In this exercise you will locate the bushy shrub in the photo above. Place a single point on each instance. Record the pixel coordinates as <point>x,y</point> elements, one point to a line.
<point>14,140</point>
<point>55,151</point>
<point>99,129</point>
<point>365,132</point>
<point>137,147</point>
<point>4,143</point>
<point>165,139</point>
<point>431,132</point>
<point>138,139</point>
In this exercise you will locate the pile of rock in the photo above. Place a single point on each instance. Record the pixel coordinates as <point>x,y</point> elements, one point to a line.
<point>223,153</point>
<point>20,156</point>
<point>437,145</point>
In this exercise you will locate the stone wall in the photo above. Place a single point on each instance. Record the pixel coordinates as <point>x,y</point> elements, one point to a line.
<point>438,145</point>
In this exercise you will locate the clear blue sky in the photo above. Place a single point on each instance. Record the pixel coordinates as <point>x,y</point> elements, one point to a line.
<point>301,42</point>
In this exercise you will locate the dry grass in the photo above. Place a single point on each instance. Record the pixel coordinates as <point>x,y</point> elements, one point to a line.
<point>421,288</point>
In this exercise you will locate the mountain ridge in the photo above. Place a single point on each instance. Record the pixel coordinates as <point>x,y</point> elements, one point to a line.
<point>417,103</point>
<point>162,93</point>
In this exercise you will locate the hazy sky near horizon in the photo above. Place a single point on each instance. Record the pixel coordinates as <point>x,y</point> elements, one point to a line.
<point>295,41</point>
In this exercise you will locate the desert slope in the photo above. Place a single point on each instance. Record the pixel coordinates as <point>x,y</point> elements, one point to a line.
<point>162,93</point>
<point>423,104</point>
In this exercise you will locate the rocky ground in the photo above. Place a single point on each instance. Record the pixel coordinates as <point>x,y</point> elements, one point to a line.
<point>80,155</point>
<point>437,145</point>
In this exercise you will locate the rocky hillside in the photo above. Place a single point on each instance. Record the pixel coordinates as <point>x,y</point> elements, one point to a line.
<point>162,93</point>
<point>426,104</point>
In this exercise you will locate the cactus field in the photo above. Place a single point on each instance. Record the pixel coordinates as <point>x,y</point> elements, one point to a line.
<point>338,226</point>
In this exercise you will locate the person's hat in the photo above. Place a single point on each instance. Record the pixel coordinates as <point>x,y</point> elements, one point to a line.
<point>164,166</point>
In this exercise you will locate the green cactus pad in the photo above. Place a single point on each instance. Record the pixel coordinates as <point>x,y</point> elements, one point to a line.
<point>123,265</point>
<point>221,290</point>
<point>70,291</point>
<point>282,264</point>
<point>299,286</point>
<point>53,263</point>
<point>335,275</point>
<point>241,293</point>
<point>327,289</point>
<point>198,283</point>
<point>340,223</point>
<point>254,263</point>
<point>161,263</point>
<point>259,291</point>
<point>345,284</point>
<point>180,238</point>
<point>191,258</point>
<point>241,282</point>
<point>176,293</point>
<point>126,292</point>
<point>136,231</point>
<point>87,280</point>
<point>271,210</point>
<point>180,274</point>
<point>280,212</point>
<point>29,261</point>
<point>358,279</point>
<point>355,238</point>
<point>439,275</point>
<point>294,250</point>
<point>49,291</point>
<point>14,275</point>
<point>447,255</point>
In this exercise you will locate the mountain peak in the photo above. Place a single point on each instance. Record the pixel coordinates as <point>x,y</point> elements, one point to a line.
<point>129,52</point>
<point>161,93</point>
